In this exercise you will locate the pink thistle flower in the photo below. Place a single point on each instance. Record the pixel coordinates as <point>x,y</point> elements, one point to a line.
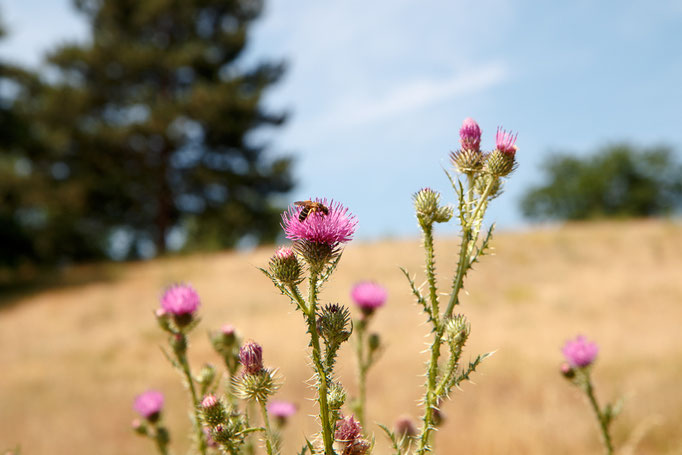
<point>209,401</point>
<point>337,226</point>
<point>284,252</point>
<point>580,352</point>
<point>180,300</point>
<point>470,135</point>
<point>227,329</point>
<point>281,409</point>
<point>149,404</point>
<point>251,357</point>
<point>347,429</point>
<point>368,296</point>
<point>505,140</point>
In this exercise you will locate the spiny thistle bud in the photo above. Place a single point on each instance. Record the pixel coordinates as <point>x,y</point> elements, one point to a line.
<point>457,329</point>
<point>482,182</point>
<point>567,371</point>
<point>501,161</point>
<point>139,427</point>
<point>251,357</point>
<point>426,204</point>
<point>212,411</point>
<point>257,386</point>
<point>334,323</point>
<point>163,319</point>
<point>206,376</point>
<point>374,342</point>
<point>285,267</point>
<point>437,416</point>
<point>358,447</point>
<point>336,396</point>
<point>470,135</point>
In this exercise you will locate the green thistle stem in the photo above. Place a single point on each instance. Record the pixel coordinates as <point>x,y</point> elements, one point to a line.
<point>601,418</point>
<point>327,432</point>
<point>362,372</point>
<point>269,439</point>
<point>431,272</point>
<point>201,442</point>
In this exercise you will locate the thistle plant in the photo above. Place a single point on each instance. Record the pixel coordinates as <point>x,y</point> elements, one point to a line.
<point>580,355</point>
<point>368,297</point>
<point>318,229</point>
<point>479,180</point>
<point>149,406</point>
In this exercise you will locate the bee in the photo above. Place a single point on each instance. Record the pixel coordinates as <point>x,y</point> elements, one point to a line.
<point>310,207</point>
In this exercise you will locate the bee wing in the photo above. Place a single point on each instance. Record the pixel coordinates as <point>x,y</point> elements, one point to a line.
<point>302,203</point>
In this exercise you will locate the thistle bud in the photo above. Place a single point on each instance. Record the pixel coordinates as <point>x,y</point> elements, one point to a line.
<point>437,416</point>
<point>567,371</point>
<point>426,204</point>
<point>206,376</point>
<point>163,319</point>
<point>482,182</point>
<point>334,323</point>
<point>457,329</point>
<point>467,161</point>
<point>257,386</point>
<point>336,396</point>
<point>212,411</point>
<point>347,429</point>
<point>251,357</point>
<point>374,342</point>
<point>470,135</point>
<point>285,267</point>
<point>162,436</point>
<point>139,427</point>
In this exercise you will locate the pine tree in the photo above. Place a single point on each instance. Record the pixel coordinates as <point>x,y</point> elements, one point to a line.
<point>151,126</point>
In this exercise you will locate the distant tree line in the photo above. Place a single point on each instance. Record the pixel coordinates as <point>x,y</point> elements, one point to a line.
<point>618,181</point>
<point>140,139</point>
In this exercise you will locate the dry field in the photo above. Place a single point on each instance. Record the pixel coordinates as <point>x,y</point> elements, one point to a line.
<point>72,359</point>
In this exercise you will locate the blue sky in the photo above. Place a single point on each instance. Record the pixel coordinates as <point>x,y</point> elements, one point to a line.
<point>377,90</point>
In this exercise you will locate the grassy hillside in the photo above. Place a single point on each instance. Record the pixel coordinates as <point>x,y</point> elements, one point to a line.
<point>72,359</point>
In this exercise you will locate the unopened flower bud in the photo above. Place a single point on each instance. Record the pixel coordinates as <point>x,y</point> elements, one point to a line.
<point>334,323</point>
<point>285,267</point>
<point>428,210</point>
<point>437,416</point>
<point>336,396</point>
<point>212,411</point>
<point>257,386</point>
<point>139,427</point>
<point>481,184</point>
<point>567,371</point>
<point>374,341</point>
<point>470,135</point>
<point>162,436</point>
<point>206,376</point>
<point>163,319</point>
<point>457,330</point>
<point>251,357</point>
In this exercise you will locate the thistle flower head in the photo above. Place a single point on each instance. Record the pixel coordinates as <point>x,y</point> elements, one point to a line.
<point>334,323</point>
<point>505,141</point>
<point>368,296</point>
<point>228,330</point>
<point>181,301</point>
<point>332,228</point>
<point>336,396</point>
<point>470,134</point>
<point>251,357</point>
<point>404,426</point>
<point>257,386</point>
<point>347,429</point>
<point>580,353</point>
<point>149,404</point>
<point>281,411</point>
<point>206,376</point>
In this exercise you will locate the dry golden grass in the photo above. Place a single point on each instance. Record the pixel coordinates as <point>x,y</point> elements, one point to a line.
<point>72,359</point>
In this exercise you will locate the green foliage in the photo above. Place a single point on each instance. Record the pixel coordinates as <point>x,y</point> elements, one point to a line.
<point>145,130</point>
<point>617,181</point>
